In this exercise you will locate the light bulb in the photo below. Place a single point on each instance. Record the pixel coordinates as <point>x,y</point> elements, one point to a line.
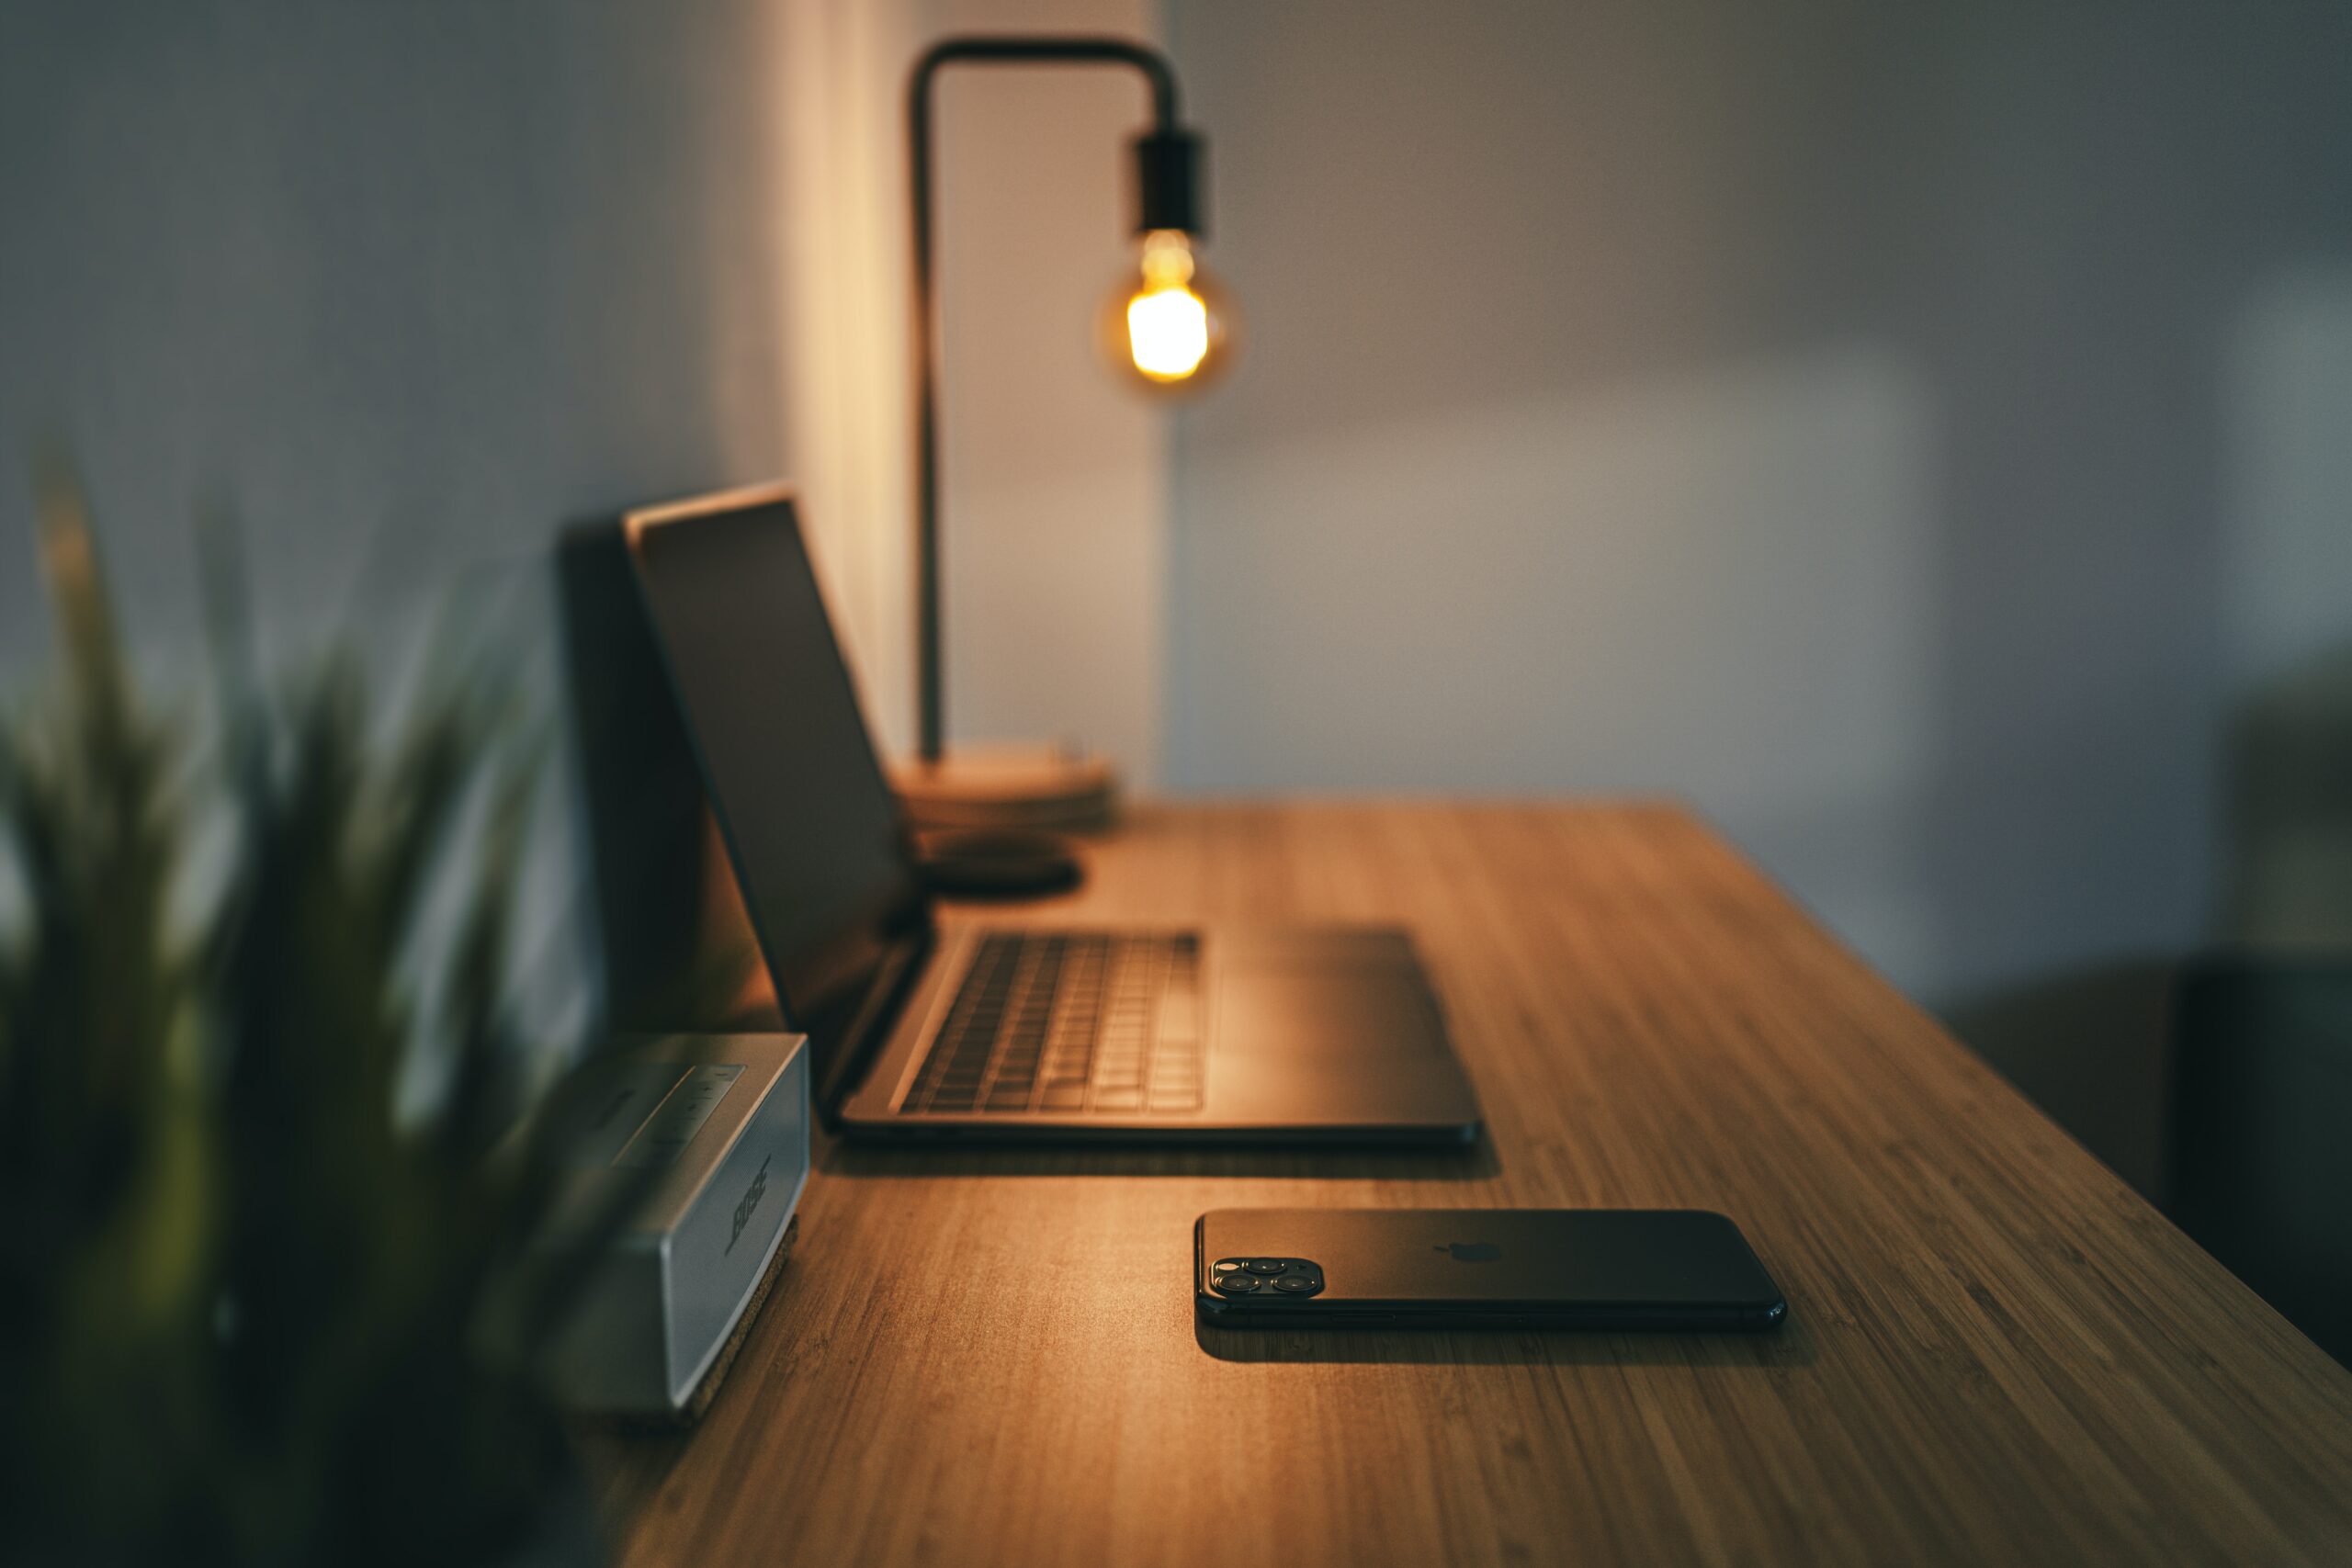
<point>1168,327</point>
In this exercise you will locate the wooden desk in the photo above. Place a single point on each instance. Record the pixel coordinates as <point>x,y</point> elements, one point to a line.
<point>1996,1351</point>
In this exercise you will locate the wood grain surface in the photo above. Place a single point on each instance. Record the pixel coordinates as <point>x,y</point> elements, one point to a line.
<point>1996,1352</point>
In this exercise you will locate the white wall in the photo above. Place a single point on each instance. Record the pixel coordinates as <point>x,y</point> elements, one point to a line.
<point>406,287</point>
<point>839,219</point>
<point>1894,429</point>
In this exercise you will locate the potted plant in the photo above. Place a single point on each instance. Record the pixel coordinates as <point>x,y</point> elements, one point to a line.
<point>242,1292</point>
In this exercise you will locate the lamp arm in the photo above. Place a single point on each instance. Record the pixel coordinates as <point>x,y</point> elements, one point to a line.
<point>1015,49</point>
<point>1167,160</point>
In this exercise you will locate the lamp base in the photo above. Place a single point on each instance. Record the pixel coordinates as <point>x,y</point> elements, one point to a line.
<point>1035,787</point>
<point>996,863</point>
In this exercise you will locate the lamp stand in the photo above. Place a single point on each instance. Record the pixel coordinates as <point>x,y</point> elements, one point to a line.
<point>1010,792</point>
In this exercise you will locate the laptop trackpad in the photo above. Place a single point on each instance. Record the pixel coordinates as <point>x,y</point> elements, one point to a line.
<point>1352,1013</point>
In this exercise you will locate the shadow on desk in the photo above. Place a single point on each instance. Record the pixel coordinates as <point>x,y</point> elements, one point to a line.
<point>1787,1346</point>
<point>1336,1162</point>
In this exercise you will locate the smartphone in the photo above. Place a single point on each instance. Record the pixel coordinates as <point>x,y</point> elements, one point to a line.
<point>1620,1269</point>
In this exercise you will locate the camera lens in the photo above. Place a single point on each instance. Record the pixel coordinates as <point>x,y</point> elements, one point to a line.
<point>1267,1265</point>
<point>1235,1284</point>
<point>1297,1285</point>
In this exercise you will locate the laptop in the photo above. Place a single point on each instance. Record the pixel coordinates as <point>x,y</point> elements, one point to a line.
<point>974,1030</point>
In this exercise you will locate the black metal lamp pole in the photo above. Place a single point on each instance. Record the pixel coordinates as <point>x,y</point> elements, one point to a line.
<point>1167,160</point>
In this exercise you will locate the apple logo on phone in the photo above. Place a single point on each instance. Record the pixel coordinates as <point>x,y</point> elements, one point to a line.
<point>1471,1251</point>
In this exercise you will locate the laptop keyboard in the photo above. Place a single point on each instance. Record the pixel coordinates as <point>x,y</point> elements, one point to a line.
<point>1070,1022</point>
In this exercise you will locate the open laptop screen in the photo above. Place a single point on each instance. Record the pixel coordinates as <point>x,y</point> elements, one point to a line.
<point>808,819</point>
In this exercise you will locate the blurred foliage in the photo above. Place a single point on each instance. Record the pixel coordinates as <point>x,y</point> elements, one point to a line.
<point>240,1291</point>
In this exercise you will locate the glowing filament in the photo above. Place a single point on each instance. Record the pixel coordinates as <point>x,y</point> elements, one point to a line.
<point>1167,325</point>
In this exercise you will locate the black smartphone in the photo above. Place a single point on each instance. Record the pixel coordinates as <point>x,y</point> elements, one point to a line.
<point>1479,1268</point>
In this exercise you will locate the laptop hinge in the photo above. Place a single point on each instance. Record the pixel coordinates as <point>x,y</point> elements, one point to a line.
<point>868,1029</point>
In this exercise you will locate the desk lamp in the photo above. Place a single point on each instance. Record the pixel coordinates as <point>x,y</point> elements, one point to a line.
<point>986,816</point>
